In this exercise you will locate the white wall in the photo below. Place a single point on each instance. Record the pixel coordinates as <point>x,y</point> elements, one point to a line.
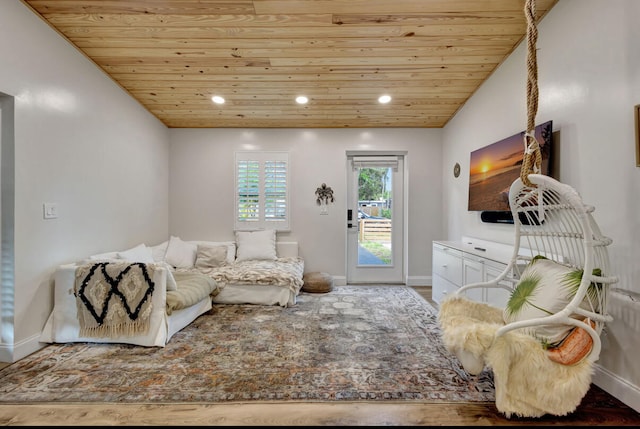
<point>202,186</point>
<point>81,142</point>
<point>589,81</point>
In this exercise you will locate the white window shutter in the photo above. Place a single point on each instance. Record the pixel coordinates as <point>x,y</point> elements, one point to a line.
<point>262,191</point>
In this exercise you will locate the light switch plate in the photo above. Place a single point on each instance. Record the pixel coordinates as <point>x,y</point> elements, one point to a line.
<point>50,210</point>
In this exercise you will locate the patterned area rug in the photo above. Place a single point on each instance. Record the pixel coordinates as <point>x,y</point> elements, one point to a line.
<point>372,343</point>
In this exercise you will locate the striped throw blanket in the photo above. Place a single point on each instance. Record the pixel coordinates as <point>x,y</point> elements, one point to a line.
<point>114,298</point>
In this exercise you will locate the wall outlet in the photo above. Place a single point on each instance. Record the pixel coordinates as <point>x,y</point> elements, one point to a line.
<point>50,210</point>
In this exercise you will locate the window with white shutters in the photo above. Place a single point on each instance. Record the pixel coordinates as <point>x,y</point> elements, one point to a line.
<point>262,190</point>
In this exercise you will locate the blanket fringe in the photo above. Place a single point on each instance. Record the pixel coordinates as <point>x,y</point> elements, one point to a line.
<point>130,329</point>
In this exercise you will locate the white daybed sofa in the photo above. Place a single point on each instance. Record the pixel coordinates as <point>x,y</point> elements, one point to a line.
<point>255,269</point>
<point>276,282</point>
<point>172,307</point>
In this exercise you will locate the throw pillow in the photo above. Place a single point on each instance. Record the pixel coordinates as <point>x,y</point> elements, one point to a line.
<point>140,253</point>
<point>545,288</point>
<point>180,254</point>
<point>575,347</point>
<point>210,257</point>
<point>171,281</point>
<point>231,248</point>
<point>159,251</point>
<point>256,245</point>
<point>107,256</point>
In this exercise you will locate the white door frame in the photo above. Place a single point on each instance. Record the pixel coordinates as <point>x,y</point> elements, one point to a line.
<point>395,273</point>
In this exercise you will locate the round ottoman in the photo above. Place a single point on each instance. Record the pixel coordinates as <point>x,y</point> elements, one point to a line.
<point>317,283</point>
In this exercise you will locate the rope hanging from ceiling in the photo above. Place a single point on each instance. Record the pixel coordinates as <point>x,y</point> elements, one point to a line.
<point>532,156</point>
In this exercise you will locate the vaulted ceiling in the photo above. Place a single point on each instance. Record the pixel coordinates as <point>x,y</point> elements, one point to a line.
<point>172,56</point>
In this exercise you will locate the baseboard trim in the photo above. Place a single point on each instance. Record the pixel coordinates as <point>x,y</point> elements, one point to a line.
<point>340,280</point>
<point>419,281</point>
<point>617,387</point>
<point>411,281</point>
<point>6,353</point>
<point>10,353</point>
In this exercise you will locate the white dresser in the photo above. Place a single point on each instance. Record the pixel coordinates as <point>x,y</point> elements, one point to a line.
<point>470,260</point>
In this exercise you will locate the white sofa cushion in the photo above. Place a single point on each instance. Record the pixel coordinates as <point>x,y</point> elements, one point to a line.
<point>140,253</point>
<point>107,256</point>
<point>254,245</point>
<point>180,254</point>
<point>158,251</point>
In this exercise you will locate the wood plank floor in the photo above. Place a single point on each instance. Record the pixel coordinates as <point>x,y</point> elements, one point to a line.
<point>597,409</point>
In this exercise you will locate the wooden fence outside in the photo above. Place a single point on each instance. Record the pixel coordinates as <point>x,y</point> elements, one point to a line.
<point>375,230</point>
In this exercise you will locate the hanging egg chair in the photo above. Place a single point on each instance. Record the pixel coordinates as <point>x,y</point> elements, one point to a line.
<point>542,346</point>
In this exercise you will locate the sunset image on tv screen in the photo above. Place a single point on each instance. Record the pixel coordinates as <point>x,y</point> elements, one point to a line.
<point>493,168</point>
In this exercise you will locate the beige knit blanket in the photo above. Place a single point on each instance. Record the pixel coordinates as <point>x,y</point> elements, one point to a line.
<point>114,298</point>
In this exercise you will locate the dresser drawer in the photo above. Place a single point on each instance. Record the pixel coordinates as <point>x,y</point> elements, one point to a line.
<point>447,263</point>
<point>441,288</point>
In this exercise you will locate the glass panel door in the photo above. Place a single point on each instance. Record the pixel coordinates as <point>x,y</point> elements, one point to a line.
<point>374,233</point>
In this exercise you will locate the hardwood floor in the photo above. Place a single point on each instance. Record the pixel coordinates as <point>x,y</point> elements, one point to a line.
<point>425,292</point>
<point>597,409</point>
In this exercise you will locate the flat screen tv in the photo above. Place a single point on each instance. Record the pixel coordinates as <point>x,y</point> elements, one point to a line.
<point>495,167</point>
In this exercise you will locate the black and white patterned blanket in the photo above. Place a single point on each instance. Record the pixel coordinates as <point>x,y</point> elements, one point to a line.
<point>114,298</point>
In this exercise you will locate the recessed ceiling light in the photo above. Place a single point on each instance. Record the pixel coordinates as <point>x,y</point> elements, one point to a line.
<point>301,99</point>
<point>384,99</point>
<point>217,99</point>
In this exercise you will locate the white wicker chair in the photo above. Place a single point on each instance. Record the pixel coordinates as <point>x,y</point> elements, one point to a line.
<point>550,220</point>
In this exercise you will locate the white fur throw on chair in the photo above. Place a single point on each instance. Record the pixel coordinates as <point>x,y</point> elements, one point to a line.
<point>527,382</point>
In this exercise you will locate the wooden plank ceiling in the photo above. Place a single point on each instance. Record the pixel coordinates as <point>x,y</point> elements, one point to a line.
<point>174,55</point>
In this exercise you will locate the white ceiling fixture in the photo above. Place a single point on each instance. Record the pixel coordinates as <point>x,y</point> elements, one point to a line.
<point>384,99</point>
<point>301,99</point>
<point>217,99</point>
